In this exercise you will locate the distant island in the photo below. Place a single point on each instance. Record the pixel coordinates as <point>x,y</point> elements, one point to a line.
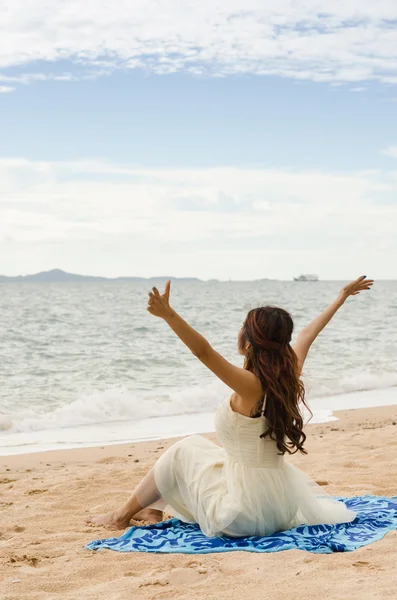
<point>59,276</point>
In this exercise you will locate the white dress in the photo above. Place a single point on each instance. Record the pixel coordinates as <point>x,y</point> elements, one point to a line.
<point>243,488</point>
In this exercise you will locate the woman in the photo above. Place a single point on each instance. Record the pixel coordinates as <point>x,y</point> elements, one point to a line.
<point>245,487</point>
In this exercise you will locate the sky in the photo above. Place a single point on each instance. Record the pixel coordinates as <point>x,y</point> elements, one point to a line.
<point>198,138</point>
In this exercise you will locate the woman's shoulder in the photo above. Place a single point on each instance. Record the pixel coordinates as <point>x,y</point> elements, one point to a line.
<point>244,406</point>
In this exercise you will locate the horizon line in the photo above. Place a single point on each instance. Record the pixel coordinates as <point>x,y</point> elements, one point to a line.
<point>162,277</point>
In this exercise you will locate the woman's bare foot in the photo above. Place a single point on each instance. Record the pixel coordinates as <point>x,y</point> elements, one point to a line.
<point>152,515</point>
<point>111,520</point>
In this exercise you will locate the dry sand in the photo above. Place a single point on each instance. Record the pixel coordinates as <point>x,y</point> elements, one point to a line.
<point>45,497</point>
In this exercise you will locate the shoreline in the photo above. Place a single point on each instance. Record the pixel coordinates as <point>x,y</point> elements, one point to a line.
<point>326,410</point>
<point>45,498</point>
<point>385,415</point>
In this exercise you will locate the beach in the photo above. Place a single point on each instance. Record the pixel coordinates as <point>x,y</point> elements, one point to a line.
<point>198,199</point>
<point>46,496</point>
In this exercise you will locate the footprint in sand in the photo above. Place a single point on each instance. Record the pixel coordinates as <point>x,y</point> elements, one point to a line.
<point>361,563</point>
<point>161,581</point>
<point>7,480</point>
<point>182,576</point>
<point>178,577</point>
<point>110,459</point>
<point>19,529</point>
<point>322,482</point>
<point>33,561</point>
<point>33,492</point>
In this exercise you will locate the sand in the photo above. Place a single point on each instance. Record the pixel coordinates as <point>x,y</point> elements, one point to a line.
<point>45,497</point>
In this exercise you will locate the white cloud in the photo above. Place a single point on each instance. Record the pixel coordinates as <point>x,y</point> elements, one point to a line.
<point>112,219</point>
<point>5,89</point>
<point>342,41</point>
<point>28,78</point>
<point>391,151</point>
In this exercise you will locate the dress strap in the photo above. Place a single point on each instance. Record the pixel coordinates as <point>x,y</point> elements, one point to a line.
<point>263,406</point>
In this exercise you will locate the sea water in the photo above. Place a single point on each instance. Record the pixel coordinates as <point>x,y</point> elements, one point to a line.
<point>86,364</point>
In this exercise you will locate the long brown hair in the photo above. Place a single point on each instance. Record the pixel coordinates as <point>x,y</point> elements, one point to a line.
<point>268,331</point>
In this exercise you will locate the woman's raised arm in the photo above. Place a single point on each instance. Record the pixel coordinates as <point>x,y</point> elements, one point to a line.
<point>243,382</point>
<point>310,332</point>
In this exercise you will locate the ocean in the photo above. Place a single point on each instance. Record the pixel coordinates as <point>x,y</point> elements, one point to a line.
<point>85,364</point>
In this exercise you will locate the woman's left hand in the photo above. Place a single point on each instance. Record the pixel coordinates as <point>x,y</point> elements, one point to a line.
<point>355,287</point>
<point>158,304</point>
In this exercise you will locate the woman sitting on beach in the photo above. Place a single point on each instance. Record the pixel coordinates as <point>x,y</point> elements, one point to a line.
<point>245,487</point>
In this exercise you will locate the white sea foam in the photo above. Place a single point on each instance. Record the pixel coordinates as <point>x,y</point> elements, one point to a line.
<point>357,380</point>
<point>120,404</point>
<point>169,426</point>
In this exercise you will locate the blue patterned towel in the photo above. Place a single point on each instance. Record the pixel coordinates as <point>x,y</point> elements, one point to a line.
<point>376,515</point>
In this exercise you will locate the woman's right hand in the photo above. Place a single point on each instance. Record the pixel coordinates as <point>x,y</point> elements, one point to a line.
<point>355,287</point>
<point>159,304</point>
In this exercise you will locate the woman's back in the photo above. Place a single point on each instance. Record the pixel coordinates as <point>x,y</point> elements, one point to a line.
<point>240,438</point>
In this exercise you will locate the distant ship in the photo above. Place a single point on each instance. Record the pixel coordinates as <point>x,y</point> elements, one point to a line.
<point>306,278</point>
